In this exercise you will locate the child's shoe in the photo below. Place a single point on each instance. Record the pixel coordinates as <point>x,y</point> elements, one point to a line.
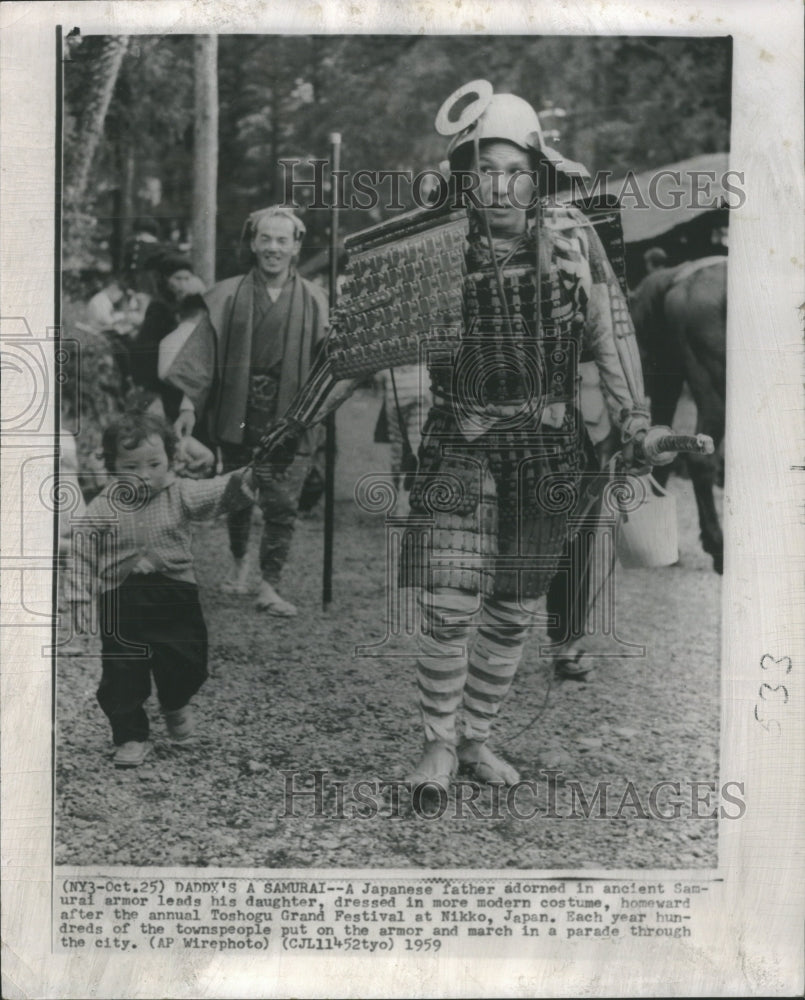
<point>131,754</point>
<point>180,723</point>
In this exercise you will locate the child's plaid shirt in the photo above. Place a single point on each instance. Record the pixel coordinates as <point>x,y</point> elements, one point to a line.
<point>118,537</point>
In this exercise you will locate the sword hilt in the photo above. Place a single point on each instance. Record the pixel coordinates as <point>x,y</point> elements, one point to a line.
<point>661,445</point>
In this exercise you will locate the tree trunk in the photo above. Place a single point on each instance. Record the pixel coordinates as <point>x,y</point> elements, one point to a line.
<point>205,157</point>
<point>104,78</point>
<point>277,173</point>
<point>124,201</point>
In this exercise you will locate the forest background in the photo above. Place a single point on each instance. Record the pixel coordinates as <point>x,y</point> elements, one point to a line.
<point>139,125</point>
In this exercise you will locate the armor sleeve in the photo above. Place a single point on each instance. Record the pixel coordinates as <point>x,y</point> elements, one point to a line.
<point>610,338</point>
<point>321,394</point>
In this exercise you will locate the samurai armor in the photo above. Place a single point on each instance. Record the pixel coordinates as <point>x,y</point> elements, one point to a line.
<point>402,289</point>
<point>402,294</point>
<point>604,212</point>
<point>497,481</point>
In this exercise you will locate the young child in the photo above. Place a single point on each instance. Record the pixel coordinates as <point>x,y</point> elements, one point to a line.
<point>134,551</point>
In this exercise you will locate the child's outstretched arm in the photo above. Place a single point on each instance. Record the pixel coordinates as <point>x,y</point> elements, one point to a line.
<point>205,499</point>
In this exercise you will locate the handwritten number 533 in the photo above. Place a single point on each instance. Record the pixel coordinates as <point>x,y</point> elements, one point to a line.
<point>772,696</point>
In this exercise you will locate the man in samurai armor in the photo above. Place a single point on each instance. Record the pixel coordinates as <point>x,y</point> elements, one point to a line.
<point>266,326</point>
<point>504,451</point>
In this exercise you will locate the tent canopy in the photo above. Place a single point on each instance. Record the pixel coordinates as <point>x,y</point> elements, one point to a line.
<point>658,200</point>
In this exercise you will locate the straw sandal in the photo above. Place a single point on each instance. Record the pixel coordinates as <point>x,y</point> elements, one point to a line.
<point>436,767</point>
<point>481,764</point>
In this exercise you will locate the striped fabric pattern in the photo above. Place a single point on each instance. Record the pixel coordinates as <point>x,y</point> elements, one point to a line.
<point>447,674</point>
<point>493,661</point>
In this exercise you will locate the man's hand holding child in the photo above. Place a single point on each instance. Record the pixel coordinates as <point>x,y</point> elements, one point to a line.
<point>192,459</point>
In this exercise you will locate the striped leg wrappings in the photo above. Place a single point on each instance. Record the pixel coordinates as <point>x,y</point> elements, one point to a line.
<point>441,667</point>
<point>493,662</point>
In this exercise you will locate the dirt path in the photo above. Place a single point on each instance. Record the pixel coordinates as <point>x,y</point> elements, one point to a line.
<point>292,696</point>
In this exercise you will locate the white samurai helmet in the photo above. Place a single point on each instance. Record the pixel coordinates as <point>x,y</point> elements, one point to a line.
<point>498,116</point>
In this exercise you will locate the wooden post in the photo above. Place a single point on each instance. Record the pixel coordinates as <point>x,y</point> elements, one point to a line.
<point>205,156</point>
<point>329,446</point>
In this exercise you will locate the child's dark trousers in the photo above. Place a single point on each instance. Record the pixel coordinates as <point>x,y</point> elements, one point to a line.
<point>149,624</point>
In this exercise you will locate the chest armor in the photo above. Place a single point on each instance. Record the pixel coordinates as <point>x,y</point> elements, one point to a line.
<point>525,346</point>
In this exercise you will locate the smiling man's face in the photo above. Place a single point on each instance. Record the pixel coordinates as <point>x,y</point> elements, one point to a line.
<point>274,246</point>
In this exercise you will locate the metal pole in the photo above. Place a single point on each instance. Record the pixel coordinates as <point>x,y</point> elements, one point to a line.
<point>329,447</point>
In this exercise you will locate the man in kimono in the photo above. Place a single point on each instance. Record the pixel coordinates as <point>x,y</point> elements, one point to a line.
<point>268,325</point>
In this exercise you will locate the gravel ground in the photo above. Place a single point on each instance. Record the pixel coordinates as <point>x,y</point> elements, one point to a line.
<point>290,695</point>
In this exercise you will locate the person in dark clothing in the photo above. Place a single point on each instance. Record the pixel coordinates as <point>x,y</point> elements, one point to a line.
<point>180,291</point>
<point>142,255</point>
<point>572,595</point>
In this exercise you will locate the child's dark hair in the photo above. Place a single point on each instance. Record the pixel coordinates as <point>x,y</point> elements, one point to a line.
<point>132,429</point>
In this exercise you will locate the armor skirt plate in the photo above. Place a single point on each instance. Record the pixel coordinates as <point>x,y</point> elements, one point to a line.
<point>490,516</point>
